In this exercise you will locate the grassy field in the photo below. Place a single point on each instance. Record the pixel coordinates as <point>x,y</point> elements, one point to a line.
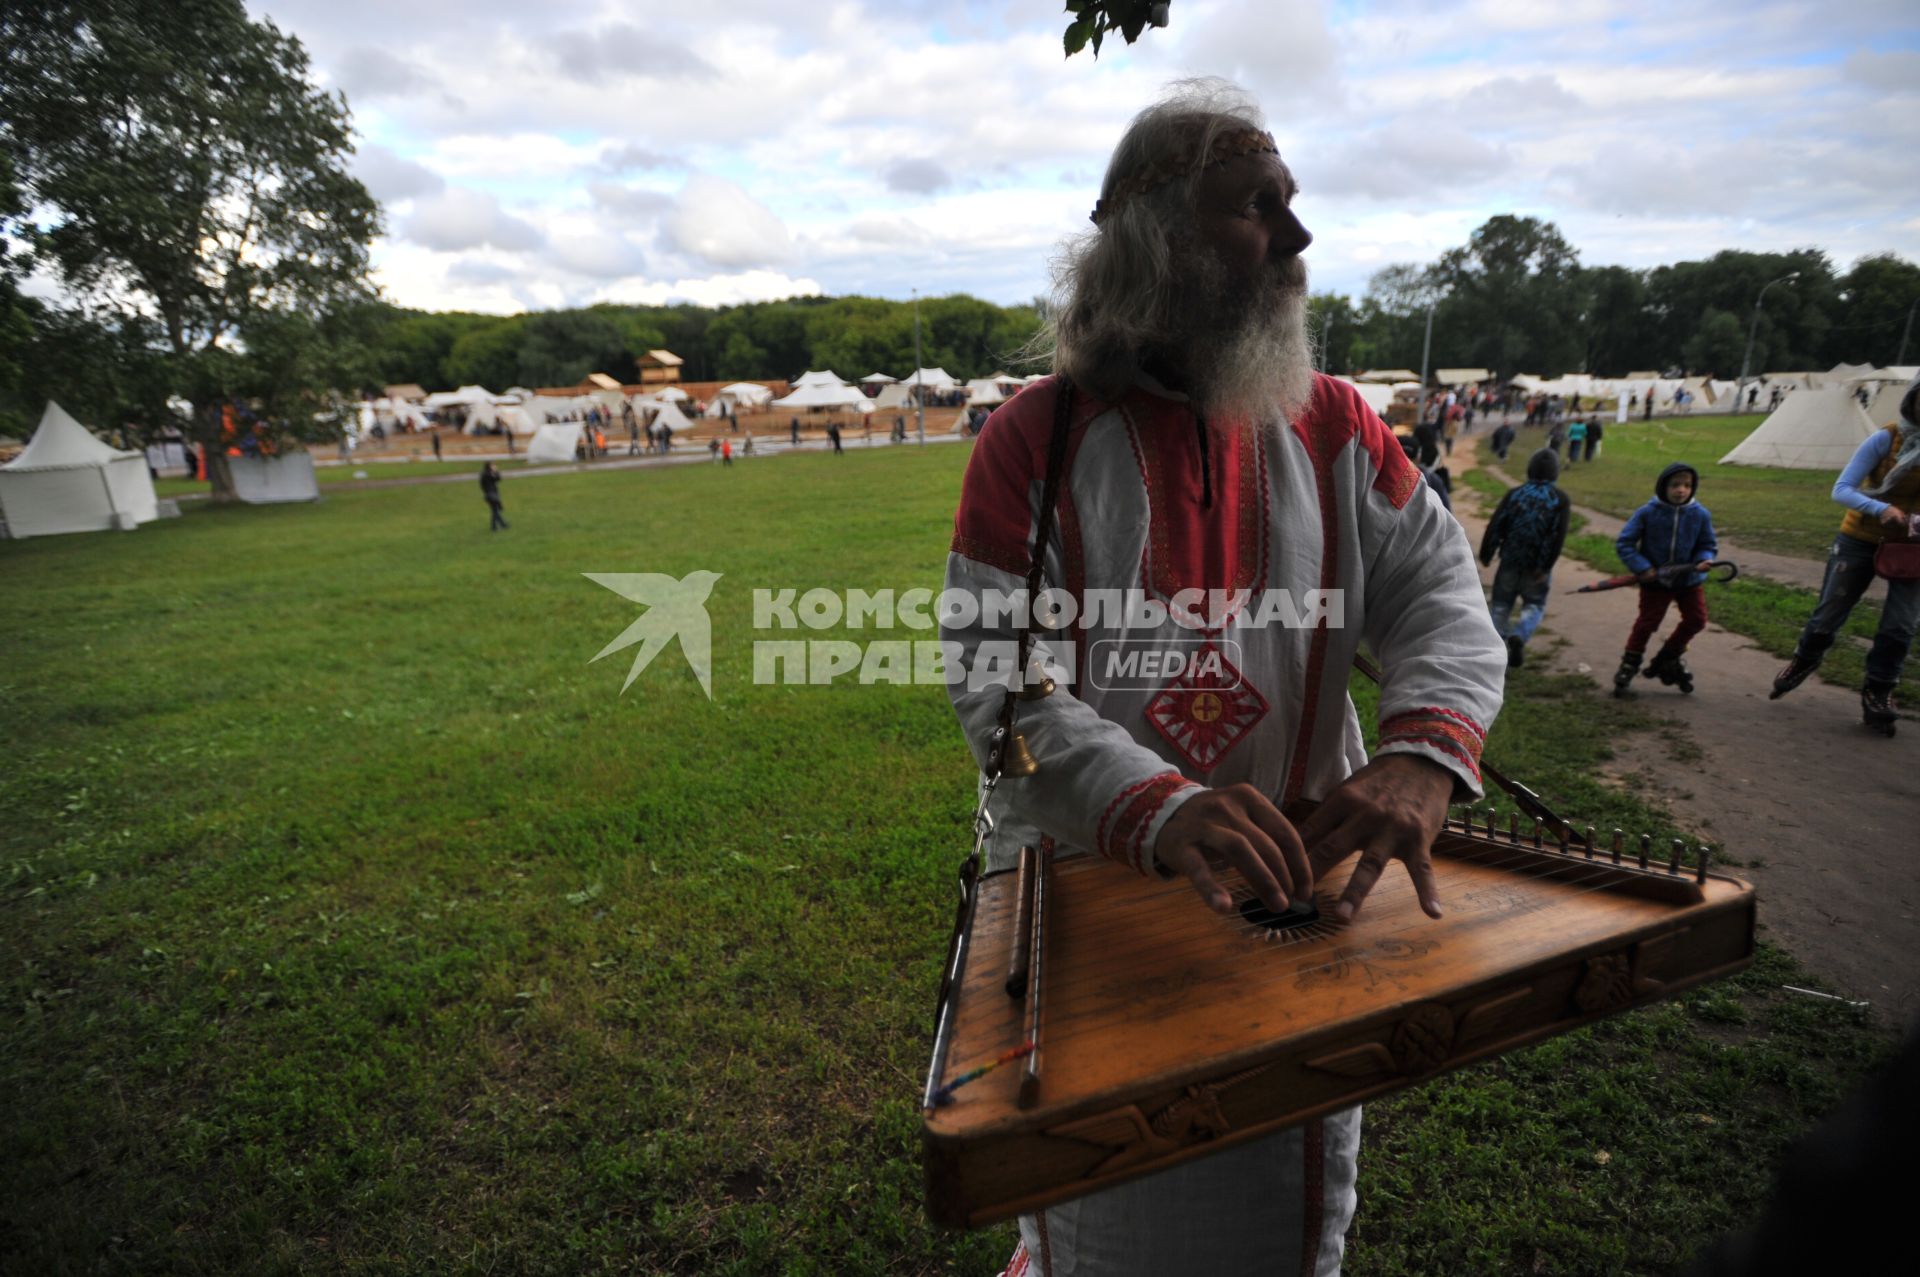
<point>356,923</point>
<point>1780,511</point>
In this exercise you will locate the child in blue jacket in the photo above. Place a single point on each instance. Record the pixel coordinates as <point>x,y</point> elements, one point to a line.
<point>1668,544</point>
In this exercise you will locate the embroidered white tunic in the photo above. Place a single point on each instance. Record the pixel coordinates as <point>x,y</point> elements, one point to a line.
<point>1157,502</point>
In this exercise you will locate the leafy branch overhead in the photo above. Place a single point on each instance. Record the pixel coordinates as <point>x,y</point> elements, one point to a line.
<point>1092,19</point>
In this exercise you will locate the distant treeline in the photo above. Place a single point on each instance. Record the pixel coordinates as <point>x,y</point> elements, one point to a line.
<point>1515,298</point>
<point>854,336</point>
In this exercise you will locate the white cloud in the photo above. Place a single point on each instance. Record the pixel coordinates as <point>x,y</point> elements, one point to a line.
<point>718,222</point>
<point>536,152</point>
<point>394,177</point>
<point>459,218</point>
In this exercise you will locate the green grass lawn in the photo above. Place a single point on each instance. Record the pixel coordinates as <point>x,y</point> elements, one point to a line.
<point>175,486</point>
<point>356,923</point>
<point>1780,511</point>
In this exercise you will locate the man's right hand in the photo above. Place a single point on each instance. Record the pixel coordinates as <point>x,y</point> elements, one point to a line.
<point>1241,825</point>
<point>1892,517</point>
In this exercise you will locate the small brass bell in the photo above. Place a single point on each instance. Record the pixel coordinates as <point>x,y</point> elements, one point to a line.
<point>1037,690</point>
<point>1019,760</point>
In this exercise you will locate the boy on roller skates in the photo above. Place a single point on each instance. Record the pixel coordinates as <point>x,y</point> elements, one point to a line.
<point>1668,544</point>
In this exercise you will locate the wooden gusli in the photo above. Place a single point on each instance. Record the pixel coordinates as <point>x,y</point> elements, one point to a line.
<point>1164,1032</point>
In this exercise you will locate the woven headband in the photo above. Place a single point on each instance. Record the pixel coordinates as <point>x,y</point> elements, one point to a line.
<point>1227,145</point>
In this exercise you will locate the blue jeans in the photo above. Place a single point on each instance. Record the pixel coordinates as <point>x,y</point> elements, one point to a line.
<point>1849,573</point>
<point>1531,587</point>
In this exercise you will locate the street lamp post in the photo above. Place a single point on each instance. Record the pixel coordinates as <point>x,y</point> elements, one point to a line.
<point>1906,333</point>
<point>919,388</point>
<point>1740,389</point>
<point>1426,350</point>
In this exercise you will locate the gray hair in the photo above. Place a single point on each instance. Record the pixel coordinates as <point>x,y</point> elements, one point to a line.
<point>1114,286</point>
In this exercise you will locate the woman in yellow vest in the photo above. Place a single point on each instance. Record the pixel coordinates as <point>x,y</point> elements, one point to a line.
<point>1881,489</point>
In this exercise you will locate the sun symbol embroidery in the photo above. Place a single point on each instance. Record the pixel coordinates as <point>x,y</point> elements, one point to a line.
<point>1207,710</point>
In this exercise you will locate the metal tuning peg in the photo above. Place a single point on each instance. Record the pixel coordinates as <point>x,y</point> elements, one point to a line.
<point>1037,689</point>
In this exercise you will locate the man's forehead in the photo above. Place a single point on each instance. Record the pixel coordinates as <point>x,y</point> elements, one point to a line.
<point>1247,172</point>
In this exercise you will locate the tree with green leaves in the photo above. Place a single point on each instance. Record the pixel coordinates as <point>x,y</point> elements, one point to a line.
<point>1510,298</point>
<point>1092,19</point>
<point>194,192</point>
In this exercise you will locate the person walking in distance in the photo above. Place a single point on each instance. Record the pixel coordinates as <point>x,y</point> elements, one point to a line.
<point>490,489</point>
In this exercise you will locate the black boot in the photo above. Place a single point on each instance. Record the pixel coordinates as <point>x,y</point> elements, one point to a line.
<point>1516,651</point>
<point>1877,709</point>
<point>1794,673</point>
<point>1623,677</point>
<point>1670,667</point>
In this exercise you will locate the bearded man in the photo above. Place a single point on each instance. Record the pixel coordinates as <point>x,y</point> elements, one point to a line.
<point>1205,454</point>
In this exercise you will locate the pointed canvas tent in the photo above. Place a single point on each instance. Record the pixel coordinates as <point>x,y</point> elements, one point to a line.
<point>827,378</point>
<point>819,395</point>
<point>671,417</point>
<point>1810,430</point>
<point>486,416</point>
<point>749,394</point>
<point>983,390</point>
<point>894,396</point>
<point>931,378</point>
<point>464,396</point>
<point>66,480</point>
<point>554,443</point>
<point>875,378</point>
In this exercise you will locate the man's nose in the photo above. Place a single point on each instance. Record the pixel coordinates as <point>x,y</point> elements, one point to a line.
<point>1290,236</point>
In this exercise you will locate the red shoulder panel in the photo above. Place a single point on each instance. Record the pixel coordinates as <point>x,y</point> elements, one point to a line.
<point>994,524</point>
<point>1338,414</point>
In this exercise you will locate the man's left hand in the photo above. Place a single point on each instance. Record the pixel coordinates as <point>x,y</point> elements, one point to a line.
<point>1391,809</point>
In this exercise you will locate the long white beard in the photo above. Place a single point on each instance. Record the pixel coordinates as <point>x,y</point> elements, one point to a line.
<point>1251,357</point>
<point>1263,366</point>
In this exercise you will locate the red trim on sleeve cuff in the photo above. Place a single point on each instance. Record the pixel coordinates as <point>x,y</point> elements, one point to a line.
<point>1446,730</point>
<point>1121,833</point>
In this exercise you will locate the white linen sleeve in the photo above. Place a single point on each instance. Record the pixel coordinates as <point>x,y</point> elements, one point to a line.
<point>1444,667</point>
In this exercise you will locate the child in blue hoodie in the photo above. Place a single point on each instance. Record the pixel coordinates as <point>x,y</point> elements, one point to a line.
<point>1668,544</point>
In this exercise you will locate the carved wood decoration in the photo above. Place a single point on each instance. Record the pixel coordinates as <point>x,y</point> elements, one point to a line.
<point>1168,1033</point>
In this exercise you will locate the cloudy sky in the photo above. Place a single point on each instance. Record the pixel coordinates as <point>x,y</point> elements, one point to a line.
<point>714,151</point>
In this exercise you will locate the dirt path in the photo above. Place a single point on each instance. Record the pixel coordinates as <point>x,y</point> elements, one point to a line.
<point>1823,817</point>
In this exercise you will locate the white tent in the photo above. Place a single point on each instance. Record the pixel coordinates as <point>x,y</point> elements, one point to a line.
<point>875,378</point>
<point>894,396</point>
<point>1378,397</point>
<point>671,417</point>
<point>466,395</point>
<point>982,390</point>
<point>820,395</point>
<point>486,416</point>
<point>672,392</point>
<point>1810,430</point>
<point>931,378</point>
<point>554,443</point>
<point>66,480</point>
<point>827,378</point>
<point>271,480</point>
<point>1883,409</point>
<point>750,393</point>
